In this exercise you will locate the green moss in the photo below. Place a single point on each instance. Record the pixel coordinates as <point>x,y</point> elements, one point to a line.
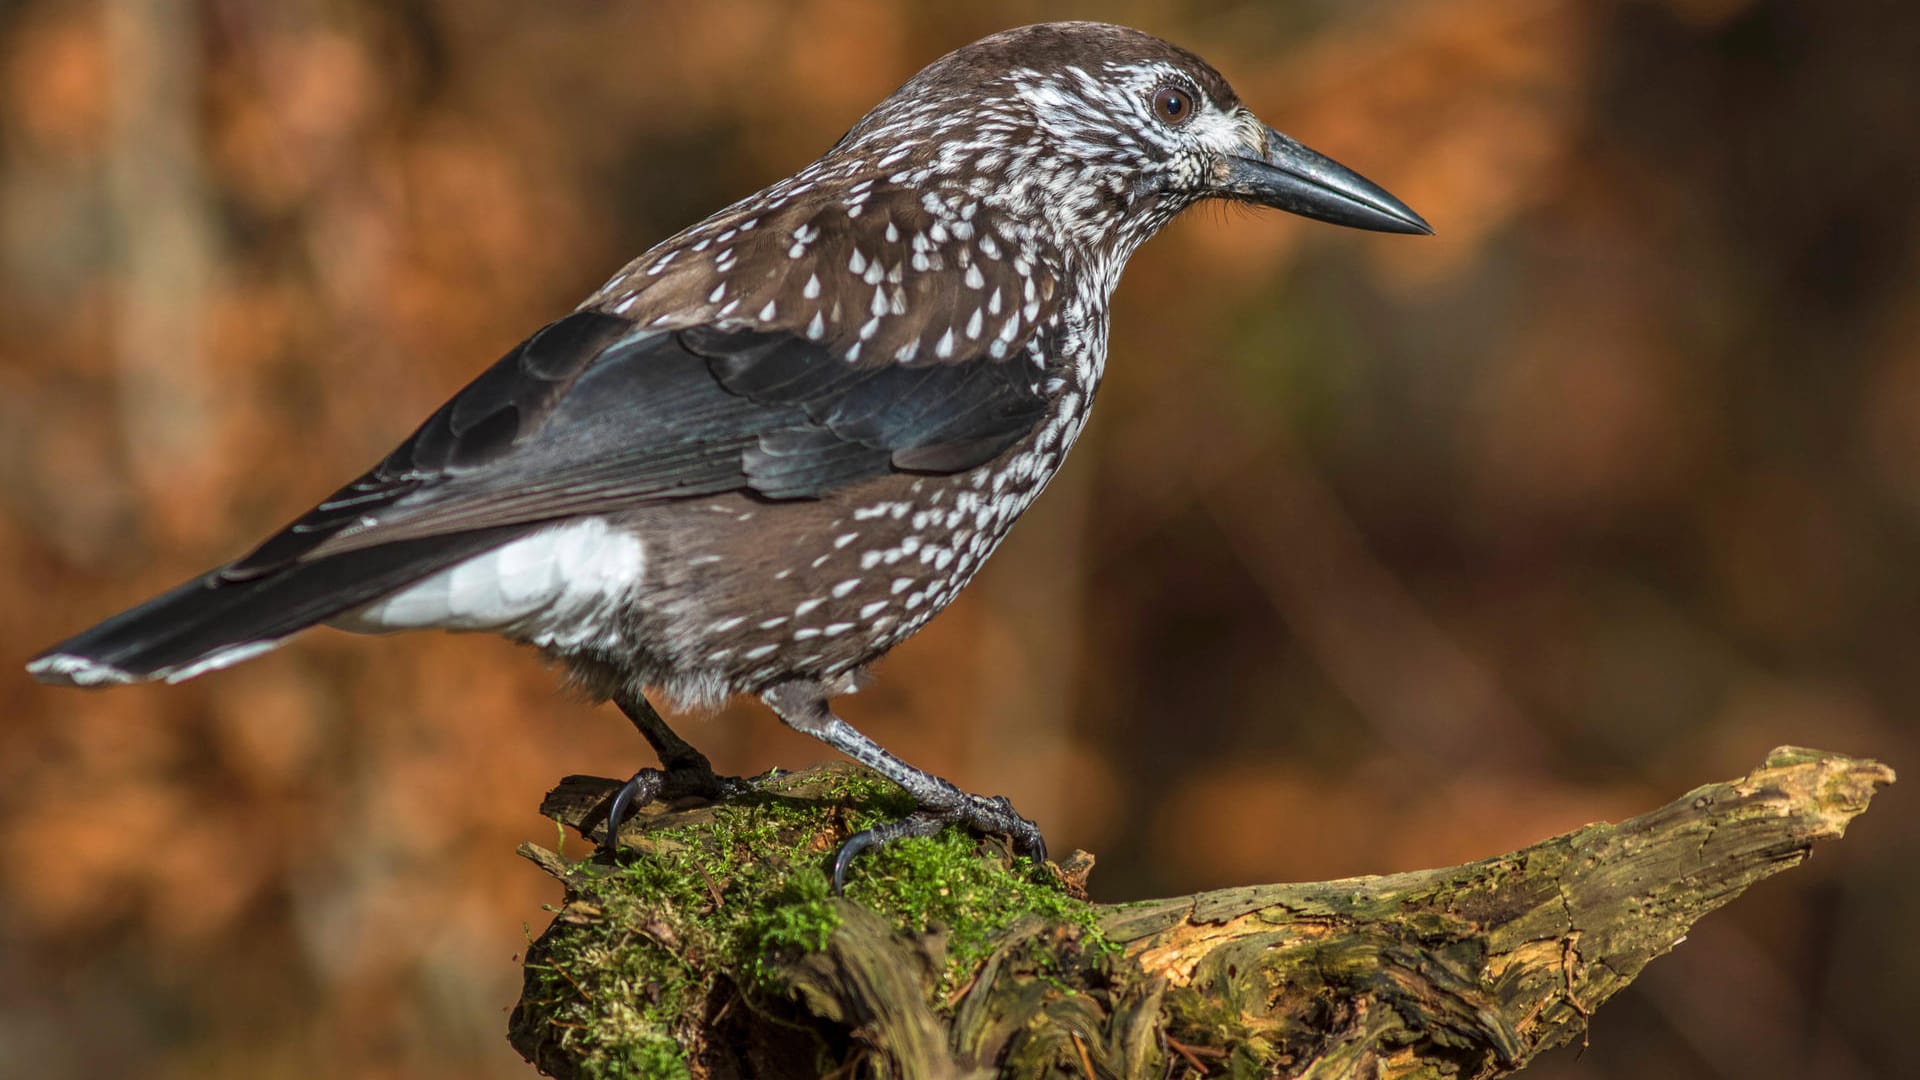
<point>942,883</point>
<point>646,952</point>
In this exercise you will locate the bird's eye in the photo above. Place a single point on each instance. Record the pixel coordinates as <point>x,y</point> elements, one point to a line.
<point>1172,105</point>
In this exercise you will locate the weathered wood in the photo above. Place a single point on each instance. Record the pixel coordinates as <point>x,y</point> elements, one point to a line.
<point>715,950</point>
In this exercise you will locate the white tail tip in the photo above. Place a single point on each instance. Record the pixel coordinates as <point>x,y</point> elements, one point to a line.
<point>66,669</point>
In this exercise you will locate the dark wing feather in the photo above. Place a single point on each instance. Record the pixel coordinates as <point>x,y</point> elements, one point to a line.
<point>910,409</point>
<point>592,414</point>
<point>480,424</point>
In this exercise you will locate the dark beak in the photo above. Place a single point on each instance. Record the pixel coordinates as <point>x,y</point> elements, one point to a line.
<point>1301,181</point>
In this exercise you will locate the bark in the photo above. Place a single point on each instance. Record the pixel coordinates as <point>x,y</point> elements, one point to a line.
<point>1467,971</point>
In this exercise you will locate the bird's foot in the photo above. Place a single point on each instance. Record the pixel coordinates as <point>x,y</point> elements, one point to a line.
<point>991,815</point>
<point>676,781</point>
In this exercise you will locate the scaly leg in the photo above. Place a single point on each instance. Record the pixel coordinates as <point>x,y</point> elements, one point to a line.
<point>802,705</point>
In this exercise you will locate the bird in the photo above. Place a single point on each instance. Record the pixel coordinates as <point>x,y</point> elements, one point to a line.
<point>773,446</point>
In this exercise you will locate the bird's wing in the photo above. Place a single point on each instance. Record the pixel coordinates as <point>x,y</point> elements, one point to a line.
<point>592,414</point>
<point>783,352</point>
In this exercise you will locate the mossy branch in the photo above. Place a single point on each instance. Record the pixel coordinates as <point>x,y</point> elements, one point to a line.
<point>714,950</point>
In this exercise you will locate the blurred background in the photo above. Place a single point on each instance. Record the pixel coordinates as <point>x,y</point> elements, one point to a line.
<point>1379,553</point>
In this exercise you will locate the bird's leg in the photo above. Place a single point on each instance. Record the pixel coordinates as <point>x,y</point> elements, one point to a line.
<point>683,770</point>
<point>802,706</point>
<point>675,753</point>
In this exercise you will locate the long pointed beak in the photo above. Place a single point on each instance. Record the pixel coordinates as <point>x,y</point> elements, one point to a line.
<point>1305,182</point>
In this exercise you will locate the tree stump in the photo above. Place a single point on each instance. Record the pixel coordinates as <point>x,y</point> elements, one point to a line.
<point>713,948</point>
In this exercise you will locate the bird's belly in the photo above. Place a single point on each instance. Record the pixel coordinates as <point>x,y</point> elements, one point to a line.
<point>561,587</point>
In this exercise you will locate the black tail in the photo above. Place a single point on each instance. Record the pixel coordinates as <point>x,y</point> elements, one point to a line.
<point>212,621</point>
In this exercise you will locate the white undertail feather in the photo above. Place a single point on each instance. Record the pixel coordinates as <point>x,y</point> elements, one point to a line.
<point>561,587</point>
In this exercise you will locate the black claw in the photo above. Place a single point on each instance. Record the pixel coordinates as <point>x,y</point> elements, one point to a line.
<point>983,815</point>
<point>999,816</point>
<point>649,784</point>
<point>921,823</point>
<point>1033,846</point>
<point>640,789</point>
<point>843,858</point>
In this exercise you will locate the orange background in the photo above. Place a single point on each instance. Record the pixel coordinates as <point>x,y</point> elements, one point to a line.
<point>1379,553</point>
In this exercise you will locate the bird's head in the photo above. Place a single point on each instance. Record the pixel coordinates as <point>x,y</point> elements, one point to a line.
<point>1108,133</point>
<point>956,215</point>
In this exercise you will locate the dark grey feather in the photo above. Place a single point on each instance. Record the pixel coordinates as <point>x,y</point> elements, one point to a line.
<point>592,414</point>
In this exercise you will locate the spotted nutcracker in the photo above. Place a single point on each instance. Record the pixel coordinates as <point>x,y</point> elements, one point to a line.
<point>772,447</point>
